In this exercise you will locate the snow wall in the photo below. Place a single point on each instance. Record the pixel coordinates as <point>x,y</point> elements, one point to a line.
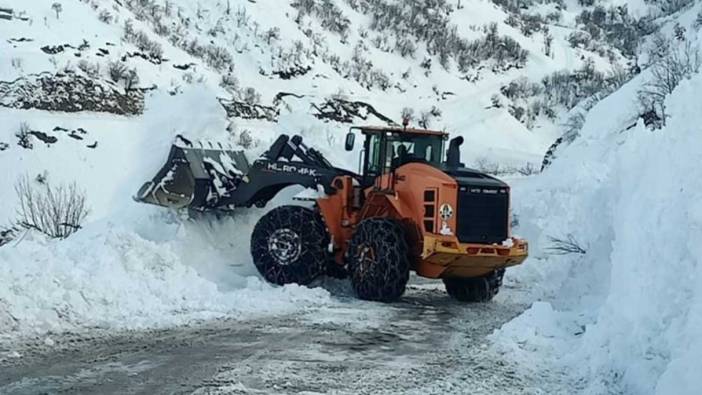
<point>625,317</point>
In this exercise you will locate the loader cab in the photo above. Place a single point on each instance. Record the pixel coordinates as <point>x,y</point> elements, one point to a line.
<point>385,149</point>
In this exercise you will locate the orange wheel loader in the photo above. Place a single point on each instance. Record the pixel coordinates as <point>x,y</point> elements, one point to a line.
<point>407,209</point>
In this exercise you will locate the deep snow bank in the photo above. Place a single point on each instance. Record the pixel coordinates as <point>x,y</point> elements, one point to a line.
<point>626,316</point>
<point>111,277</point>
<point>132,265</point>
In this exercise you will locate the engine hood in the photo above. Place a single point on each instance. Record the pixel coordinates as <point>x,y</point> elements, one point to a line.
<point>467,176</point>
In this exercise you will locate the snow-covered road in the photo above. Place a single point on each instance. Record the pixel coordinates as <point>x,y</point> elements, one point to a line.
<point>425,343</point>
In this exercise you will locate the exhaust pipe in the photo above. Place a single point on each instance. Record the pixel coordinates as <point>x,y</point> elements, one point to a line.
<point>453,155</point>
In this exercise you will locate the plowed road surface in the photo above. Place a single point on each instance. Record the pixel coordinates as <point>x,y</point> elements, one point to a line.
<point>424,344</point>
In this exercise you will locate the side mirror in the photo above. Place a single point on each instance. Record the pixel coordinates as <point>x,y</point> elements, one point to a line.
<point>350,138</point>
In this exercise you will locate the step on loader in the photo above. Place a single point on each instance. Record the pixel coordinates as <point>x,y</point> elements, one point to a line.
<point>407,209</point>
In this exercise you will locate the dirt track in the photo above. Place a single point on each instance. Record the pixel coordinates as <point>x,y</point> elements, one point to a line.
<point>424,344</point>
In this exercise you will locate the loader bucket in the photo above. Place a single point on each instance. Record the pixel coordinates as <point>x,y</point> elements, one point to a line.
<point>195,177</point>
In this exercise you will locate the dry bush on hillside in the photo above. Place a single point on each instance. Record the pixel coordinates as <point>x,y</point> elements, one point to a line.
<point>56,211</point>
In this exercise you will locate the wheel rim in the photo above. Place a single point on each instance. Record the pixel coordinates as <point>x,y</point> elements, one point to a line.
<point>284,246</point>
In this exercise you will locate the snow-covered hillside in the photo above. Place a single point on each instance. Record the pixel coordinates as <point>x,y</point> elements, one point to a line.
<point>94,92</point>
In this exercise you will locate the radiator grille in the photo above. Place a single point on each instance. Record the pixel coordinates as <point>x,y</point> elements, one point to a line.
<point>482,214</point>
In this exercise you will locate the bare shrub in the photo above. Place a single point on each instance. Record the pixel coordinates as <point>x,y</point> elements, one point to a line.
<point>131,79</point>
<point>57,9</point>
<point>92,70</point>
<point>218,58</point>
<point>329,14</point>
<point>407,115</point>
<point>230,83</point>
<point>251,96</point>
<point>188,77</point>
<point>565,246</point>
<point>548,44</point>
<point>424,119</point>
<point>116,70</point>
<point>528,169</point>
<point>7,235</point>
<point>666,74</point>
<point>487,166</point>
<point>17,63</point>
<point>142,41</point>
<point>272,34</point>
<point>105,16</point>
<point>57,211</point>
<point>245,139</point>
<point>24,138</point>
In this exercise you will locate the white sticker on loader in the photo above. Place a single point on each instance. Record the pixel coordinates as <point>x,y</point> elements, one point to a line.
<point>445,230</point>
<point>446,211</point>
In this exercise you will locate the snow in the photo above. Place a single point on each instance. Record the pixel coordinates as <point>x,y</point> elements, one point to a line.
<point>112,277</point>
<point>132,266</point>
<point>626,316</point>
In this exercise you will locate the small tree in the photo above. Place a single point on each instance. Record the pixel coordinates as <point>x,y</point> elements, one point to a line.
<point>131,79</point>
<point>117,70</point>
<point>495,101</point>
<point>230,83</point>
<point>57,212</point>
<point>57,8</point>
<point>245,139</point>
<point>425,119</point>
<point>105,16</point>
<point>667,73</point>
<point>407,115</point>
<point>24,138</point>
<point>272,34</point>
<point>679,32</point>
<point>548,42</point>
<point>90,69</point>
<point>251,96</point>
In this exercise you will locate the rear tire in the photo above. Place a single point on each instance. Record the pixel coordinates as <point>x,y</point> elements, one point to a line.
<point>477,289</point>
<point>378,260</point>
<point>289,245</point>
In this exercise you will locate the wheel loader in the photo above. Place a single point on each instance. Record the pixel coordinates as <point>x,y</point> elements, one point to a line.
<point>407,209</point>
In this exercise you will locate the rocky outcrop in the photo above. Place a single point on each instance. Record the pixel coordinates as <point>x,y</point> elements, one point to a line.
<point>345,111</point>
<point>292,72</point>
<point>69,92</point>
<point>243,110</point>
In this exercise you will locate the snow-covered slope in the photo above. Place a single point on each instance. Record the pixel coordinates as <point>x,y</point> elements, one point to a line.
<point>625,315</point>
<point>242,72</point>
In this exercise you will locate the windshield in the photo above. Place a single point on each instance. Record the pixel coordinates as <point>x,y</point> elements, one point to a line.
<point>403,148</point>
<point>408,148</point>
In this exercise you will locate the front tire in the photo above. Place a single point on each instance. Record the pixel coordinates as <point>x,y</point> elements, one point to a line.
<point>477,289</point>
<point>289,245</point>
<point>378,260</point>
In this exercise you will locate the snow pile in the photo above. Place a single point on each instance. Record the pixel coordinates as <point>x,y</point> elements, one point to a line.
<point>626,316</point>
<point>111,277</point>
<point>132,265</point>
